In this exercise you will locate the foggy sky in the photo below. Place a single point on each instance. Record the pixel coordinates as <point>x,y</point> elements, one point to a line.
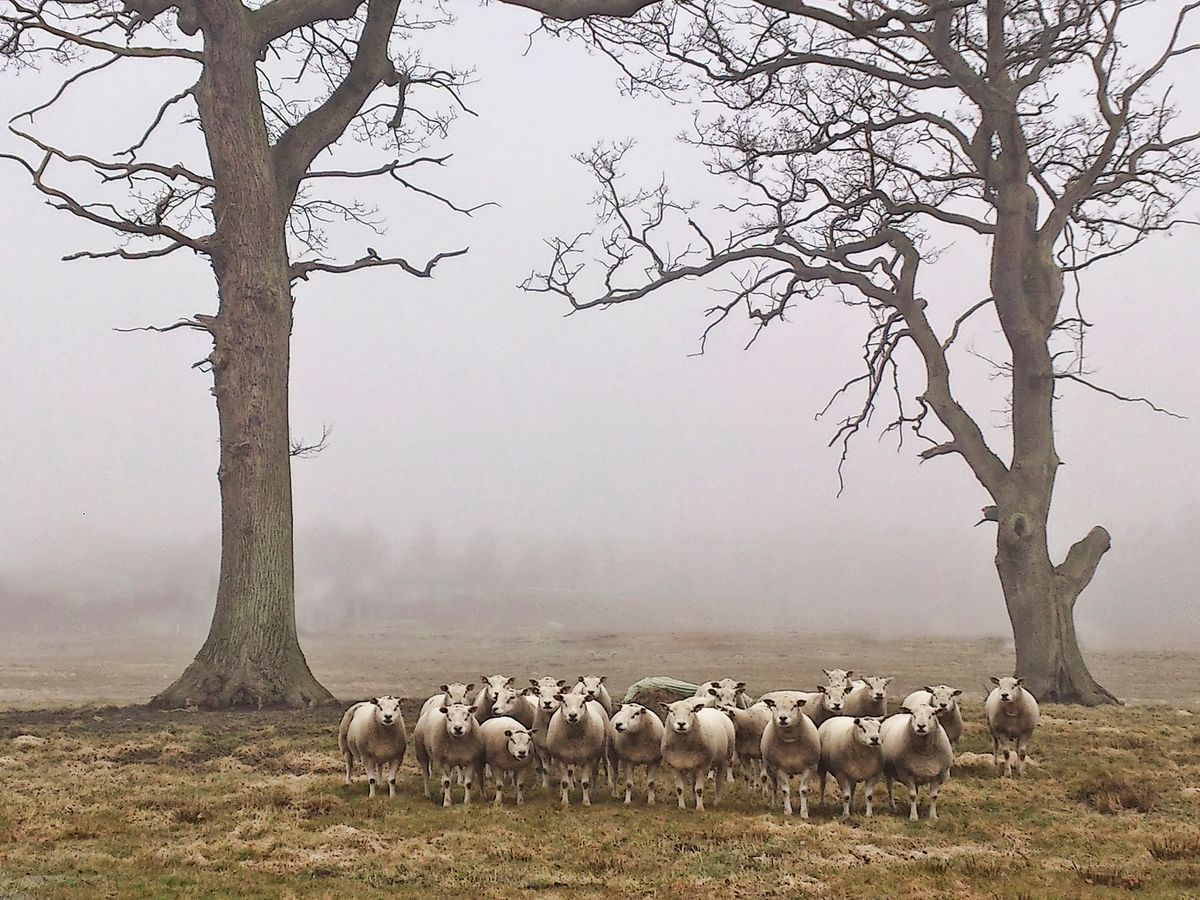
<point>589,461</point>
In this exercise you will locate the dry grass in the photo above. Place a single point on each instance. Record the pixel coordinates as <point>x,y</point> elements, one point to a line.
<point>129,802</point>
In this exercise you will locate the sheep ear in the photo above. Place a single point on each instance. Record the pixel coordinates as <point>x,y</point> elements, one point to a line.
<point>849,672</point>
<point>1020,681</point>
<point>698,707</point>
<point>826,671</point>
<point>730,713</point>
<point>471,687</point>
<point>955,692</point>
<point>821,688</point>
<point>508,682</point>
<point>508,732</point>
<point>558,697</point>
<point>858,721</point>
<point>712,692</point>
<point>472,709</point>
<point>905,710</point>
<point>927,689</point>
<point>801,701</point>
<point>887,681</point>
<point>444,688</point>
<point>375,700</point>
<point>483,679</point>
<point>580,679</point>
<point>995,681</point>
<point>602,677</point>
<point>768,703</point>
<point>533,730</point>
<point>562,682</point>
<point>444,710</point>
<point>740,687</point>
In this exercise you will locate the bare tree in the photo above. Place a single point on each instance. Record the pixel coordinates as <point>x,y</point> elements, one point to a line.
<point>271,88</point>
<point>864,134</point>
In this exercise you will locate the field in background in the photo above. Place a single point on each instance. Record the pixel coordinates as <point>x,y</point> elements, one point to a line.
<point>134,803</point>
<point>70,668</point>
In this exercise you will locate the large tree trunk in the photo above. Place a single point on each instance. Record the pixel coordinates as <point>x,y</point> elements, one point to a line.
<point>1041,606</point>
<point>252,656</point>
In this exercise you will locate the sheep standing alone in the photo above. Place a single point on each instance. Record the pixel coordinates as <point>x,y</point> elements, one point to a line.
<point>1012,715</point>
<point>592,687</point>
<point>868,697</point>
<point>373,732</point>
<point>636,738</point>
<point>508,750</point>
<point>577,740</point>
<point>916,751</point>
<point>487,695</point>
<point>445,739</point>
<point>696,739</point>
<point>790,746</point>
<point>851,751</point>
<point>944,700</point>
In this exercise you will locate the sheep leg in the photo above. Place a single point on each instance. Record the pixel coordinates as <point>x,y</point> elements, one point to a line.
<point>679,788</point>
<point>472,775</point>
<point>349,767</point>
<point>784,786</point>
<point>651,772</point>
<point>1022,748</point>
<point>935,788</point>
<point>719,787</point>
<point>701,780</point>
<point>912,799</point>
<point>426,773</point>
<point>869,792</point>
<point>499,777</point>
<point>392,768</point>
<point>1008,755</point>
<point>587,775</point>
<point>447,780</point>
<point>847,788</point>
<point>804,776</point>
<point>995,750</point>
<point>628,767</point>
<point>372,775</point>
<point>891,796</point>
<point>520,780</point>
<point>563,784</point>
<point>821,774</point>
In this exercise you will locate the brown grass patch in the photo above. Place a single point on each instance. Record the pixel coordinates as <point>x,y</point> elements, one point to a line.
<point>1112,794</point>
<point>1175,845</point>
<point>1111,877</point>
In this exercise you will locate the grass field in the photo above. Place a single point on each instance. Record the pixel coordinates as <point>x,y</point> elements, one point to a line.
<point>129,802</point>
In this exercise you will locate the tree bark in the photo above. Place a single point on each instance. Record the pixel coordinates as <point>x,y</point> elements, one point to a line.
<point>252,656</point>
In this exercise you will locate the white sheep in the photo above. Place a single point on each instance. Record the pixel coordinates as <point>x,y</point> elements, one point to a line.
<point>456,692</point>
<point>723,692</point>
<point>851,751</point>
<point>748,727</point>
<point>508,749</point>
<point>837,676</point>
<point>790,746</point>
<point>697,739</point>
<point>373,732</point>
<point>826,701</point>
<point>577,740</point>
<point>516,705</point>
<point>487,695</point>
<point>944,699</point>
<point>592,686</point>
<point>868,697</point>
<point>636,739</point>
<point>1012,715</point>
<point>543,692</point>
<point>446,739</point>
<point>916,751</point>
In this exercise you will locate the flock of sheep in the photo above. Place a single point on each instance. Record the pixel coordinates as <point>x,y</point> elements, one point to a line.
<point>569,733</point>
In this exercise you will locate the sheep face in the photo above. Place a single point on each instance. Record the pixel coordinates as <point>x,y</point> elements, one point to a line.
<point>591,685</point>
<point>877,685</point>
<point>834,696</point>
<point>726,694</point>
<point>460,719</point>
<point>1010,688</point>
<point>520,743</point>
<point>493,683</point>
<point>681,715</point>
<point>574,707</point>
<point>924,720</point>
<point>866,731</point>
<point>506,702</point>
<point>838,676</point>
<point>630,718</point>
<point>387,710</point>
<point>457,692</point>
<point>785,715</point>
<point>942,697</point>
<point>545,693</point>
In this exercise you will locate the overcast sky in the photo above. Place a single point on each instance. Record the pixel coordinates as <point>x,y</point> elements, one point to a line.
<point>463,407</point>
